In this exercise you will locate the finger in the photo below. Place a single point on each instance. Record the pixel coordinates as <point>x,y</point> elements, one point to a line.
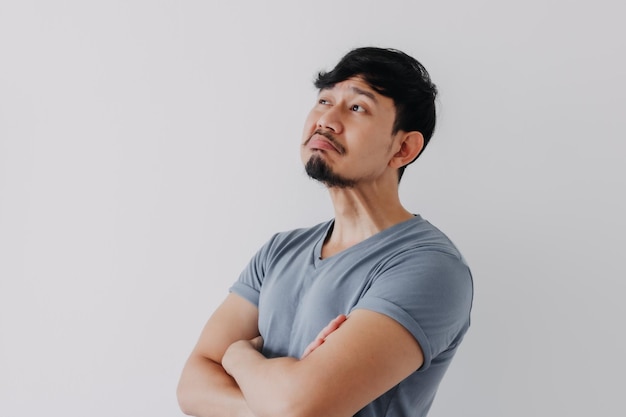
<point>311,347</point>
<point>332,326</point>
<point>323,334</point>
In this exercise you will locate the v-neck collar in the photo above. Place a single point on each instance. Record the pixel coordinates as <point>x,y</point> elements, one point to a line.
<point>317,250</point>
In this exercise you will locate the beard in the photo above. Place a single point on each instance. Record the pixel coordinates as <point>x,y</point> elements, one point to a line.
<point>317,169</point>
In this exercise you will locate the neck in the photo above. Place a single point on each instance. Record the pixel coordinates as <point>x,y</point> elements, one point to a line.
<point>360,213</point>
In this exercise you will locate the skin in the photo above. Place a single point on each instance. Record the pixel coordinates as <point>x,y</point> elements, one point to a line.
<point>323,334</point>
<point>354,359</point>
<point>362,126</point>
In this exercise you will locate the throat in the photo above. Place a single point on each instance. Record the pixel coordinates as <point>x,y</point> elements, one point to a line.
<point>344,234</point>
<point>329,249</point>
<point>337,241</point>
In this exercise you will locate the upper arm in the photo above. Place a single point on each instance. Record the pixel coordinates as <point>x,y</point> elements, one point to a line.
<point>235,319</point>
<point>368,355</point>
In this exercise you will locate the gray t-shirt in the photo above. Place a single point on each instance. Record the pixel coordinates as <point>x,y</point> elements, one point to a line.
<point>410,272</point>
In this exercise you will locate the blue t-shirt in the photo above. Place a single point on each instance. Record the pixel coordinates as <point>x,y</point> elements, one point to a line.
<point>410,272</point>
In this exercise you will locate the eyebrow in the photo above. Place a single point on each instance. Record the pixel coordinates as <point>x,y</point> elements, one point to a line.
<point>366,93</point>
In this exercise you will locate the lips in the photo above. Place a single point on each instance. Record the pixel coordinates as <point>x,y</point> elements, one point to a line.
<point>320,142</point>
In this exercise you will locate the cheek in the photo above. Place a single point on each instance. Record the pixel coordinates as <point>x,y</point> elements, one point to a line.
<point>309,126</point>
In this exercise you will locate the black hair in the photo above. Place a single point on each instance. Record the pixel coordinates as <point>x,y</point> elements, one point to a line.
<point>396,75</point>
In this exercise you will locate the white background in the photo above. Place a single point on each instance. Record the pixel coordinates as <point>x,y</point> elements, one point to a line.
<point>148,148</point>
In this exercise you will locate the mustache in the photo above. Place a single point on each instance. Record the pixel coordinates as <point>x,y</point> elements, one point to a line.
<point>330,138</point>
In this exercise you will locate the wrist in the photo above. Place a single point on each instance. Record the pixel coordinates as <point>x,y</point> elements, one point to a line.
<point>235,355</point>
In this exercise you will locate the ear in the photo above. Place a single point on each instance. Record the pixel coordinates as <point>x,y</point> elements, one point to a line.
<point>411,144</point>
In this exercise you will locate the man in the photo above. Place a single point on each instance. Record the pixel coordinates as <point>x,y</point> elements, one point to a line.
<point>360,315</point>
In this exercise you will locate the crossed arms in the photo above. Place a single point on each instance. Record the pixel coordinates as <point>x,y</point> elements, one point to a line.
<point>343,370</point>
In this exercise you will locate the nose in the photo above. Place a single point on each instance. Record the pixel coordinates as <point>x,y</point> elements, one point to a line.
<point>330,119</point>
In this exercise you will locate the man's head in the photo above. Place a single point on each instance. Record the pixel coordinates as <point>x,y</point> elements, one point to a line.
<point>394,75</point>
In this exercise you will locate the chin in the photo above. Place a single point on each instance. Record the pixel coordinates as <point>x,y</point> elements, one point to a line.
<point>318,169</point>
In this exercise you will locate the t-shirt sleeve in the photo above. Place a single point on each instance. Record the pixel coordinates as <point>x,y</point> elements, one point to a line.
<point>250,280</point>
<point>429,293</point>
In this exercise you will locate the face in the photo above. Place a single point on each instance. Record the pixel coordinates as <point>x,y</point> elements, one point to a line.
<point>347,136</point>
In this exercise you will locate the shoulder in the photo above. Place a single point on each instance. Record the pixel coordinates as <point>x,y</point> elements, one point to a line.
<point>422,268</point>
<point>417,243</point>
<point>421,234</point>
<point>424,249</point>
<point>424,283</point>
<point>296,237</point>
<point>299,233</point>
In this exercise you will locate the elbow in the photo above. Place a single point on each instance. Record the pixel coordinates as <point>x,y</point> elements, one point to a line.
<point>187,401</point>
<point>184,400</point>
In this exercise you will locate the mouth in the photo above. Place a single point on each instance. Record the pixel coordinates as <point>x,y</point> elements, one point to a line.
<point>321,140</point>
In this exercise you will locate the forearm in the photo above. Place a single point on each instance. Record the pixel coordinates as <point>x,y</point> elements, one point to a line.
<point>206,390</point>
<point>270,386</point>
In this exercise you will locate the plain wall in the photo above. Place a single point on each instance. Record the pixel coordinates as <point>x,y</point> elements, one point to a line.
<point>148,148</point>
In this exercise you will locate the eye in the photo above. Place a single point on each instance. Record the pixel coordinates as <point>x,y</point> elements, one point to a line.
<point>322,101</point>
<point>357,108</point>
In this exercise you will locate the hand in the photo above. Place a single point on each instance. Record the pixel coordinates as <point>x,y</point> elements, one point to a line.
<point>326,331</point>
<point>231,356</point>
<point>257,343</point>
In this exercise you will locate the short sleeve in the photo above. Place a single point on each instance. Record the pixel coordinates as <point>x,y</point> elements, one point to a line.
<point>429,292</point>
<point>249,283</point>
